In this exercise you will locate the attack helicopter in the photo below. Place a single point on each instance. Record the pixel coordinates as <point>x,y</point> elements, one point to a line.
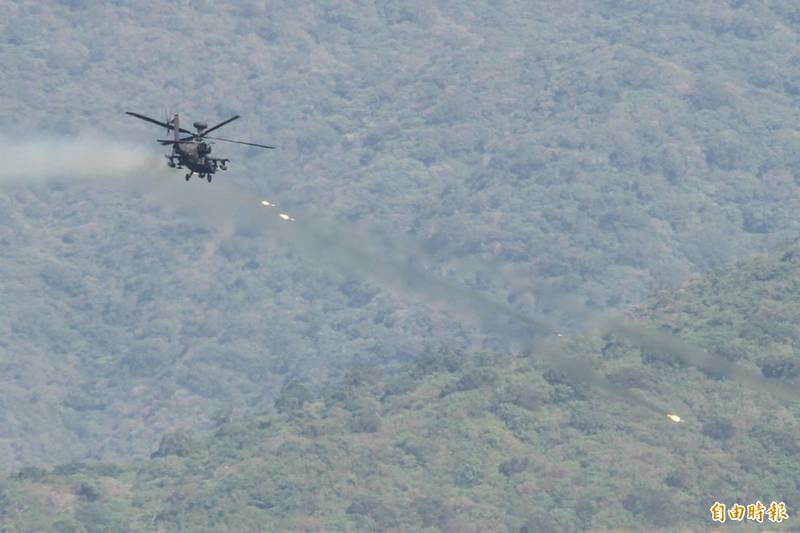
<point>193,150</point>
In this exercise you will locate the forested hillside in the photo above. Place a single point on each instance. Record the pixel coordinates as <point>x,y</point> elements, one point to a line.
<point>605,149</point>
<point>482,442</point>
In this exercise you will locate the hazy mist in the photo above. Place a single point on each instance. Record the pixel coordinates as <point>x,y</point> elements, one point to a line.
<point>85,156</point>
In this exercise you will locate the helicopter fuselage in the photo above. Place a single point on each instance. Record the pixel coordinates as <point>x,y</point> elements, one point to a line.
<point>194,155</point>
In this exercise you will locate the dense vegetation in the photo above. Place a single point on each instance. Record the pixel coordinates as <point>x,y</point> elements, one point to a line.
<point>607,148</point>
<point>478,442</point>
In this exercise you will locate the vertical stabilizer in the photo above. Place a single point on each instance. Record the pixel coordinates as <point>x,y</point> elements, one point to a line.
<point>176,127</point>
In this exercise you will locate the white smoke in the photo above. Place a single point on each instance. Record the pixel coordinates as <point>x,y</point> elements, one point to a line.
<point>85,156</point>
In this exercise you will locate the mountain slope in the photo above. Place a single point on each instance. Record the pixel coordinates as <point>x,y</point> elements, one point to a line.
<point>468,441</point>
<point>603,148</point>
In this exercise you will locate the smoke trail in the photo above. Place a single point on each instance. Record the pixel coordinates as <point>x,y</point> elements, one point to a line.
<point>604,323</point>
<point>86,156</point>
<point>714,365</point>
<point>397,264</point>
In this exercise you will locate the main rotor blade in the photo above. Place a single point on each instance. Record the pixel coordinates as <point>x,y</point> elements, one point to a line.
<point>156,122</point>
<point>209,130</point>
<point>240,142</point>
<point>170,141</point>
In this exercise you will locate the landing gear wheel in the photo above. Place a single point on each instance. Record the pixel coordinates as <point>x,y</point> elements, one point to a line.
<point>188,176</point>
<point>209,178</point>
